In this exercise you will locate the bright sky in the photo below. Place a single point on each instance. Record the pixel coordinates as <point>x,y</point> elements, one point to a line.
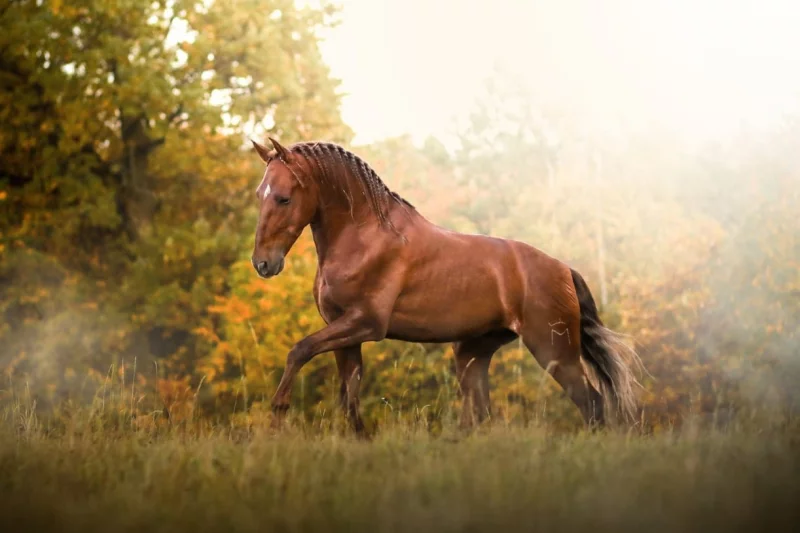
<point>700,67</point>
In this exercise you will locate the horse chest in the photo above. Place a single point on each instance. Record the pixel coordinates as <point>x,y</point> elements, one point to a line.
<point>344,283</point>
<point>330,301</point>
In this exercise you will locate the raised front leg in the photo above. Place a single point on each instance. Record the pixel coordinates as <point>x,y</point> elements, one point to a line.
<point>350,366</point>
<point>348,331</point>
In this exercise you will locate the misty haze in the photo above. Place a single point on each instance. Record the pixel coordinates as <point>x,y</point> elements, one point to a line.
<point>650,146</point>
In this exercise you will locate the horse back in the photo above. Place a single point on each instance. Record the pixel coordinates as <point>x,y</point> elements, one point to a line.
<point>459,285</point>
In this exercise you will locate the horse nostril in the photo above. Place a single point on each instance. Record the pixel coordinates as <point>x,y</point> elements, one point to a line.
<point>261,267</point>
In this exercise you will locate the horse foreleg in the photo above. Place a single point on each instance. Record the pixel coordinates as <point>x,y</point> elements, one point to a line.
<point>350,366</point>
<point>348,331</point>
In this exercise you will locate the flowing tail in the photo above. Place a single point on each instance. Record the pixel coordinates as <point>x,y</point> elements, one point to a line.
<point>608,356</point>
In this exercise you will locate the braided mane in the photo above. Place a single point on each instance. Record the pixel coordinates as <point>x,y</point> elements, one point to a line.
<point>333,162</point>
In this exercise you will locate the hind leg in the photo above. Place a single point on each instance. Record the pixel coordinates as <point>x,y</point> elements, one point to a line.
<point>473,357</point>
<point>572,378</point>
<point>558,350</point>
<point>473,379</point>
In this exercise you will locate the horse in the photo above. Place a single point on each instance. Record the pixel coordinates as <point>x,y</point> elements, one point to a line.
<point>387,272</point>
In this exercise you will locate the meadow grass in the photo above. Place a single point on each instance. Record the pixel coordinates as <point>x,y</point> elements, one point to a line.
<point>86,471</point>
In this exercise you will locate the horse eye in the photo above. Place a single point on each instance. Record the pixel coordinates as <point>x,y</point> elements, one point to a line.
<point>282,200</point>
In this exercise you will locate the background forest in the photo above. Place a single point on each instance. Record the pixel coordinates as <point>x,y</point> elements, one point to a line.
<point>127,212</point>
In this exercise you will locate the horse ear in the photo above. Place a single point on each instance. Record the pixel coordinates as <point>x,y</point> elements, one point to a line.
<point>263,151</point>
<point>283,153</point>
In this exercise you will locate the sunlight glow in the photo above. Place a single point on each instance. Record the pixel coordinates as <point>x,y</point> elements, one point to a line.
<point>700,68</point>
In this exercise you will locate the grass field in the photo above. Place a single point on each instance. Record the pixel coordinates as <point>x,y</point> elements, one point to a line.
<point>84,473</point>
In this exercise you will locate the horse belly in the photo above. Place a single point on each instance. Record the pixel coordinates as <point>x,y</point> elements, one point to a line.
<point>442,315</point>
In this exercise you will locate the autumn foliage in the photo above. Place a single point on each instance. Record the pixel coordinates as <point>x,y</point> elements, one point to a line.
<point>127,211</point>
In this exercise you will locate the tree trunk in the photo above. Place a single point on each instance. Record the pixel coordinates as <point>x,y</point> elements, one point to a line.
<point>135,202</point>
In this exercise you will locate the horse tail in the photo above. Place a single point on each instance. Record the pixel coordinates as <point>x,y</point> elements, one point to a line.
<point>608,356</point>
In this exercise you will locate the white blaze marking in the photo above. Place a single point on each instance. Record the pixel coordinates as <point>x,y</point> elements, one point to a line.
<point>267,191</point>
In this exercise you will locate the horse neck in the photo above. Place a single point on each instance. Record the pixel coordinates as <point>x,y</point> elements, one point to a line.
<point>332,229</point>
<point>336,219</point>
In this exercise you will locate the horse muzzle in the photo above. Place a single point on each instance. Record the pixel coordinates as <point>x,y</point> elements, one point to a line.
<point>267,269</point>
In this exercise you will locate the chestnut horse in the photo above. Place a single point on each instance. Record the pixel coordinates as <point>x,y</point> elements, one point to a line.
<point>386,272</point>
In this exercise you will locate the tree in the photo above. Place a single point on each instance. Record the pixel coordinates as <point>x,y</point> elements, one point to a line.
<point>125,188</point>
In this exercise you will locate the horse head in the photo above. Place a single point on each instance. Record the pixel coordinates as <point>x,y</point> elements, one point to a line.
<point>287,204</point>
